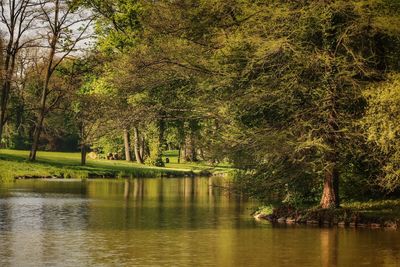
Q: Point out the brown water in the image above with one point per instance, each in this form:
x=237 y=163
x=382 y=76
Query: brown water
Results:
x=166 y=222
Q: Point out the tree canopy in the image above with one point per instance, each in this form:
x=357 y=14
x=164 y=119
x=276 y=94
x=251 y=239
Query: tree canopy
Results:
x=301 y=97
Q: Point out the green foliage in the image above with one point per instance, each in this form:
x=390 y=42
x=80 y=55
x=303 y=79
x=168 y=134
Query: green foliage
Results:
x=381 y=124
x=274 y=87
x=156 y=146
x=288 y=92
x=109 y=144
x=119 y=26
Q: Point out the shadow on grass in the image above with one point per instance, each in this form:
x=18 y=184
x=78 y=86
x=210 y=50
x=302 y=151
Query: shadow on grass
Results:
x=20 y=164
x=67 y=168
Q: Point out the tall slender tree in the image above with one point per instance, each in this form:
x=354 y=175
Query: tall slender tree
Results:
x=60 y=17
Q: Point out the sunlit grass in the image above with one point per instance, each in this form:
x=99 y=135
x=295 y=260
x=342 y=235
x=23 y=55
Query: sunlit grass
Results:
x=172 y=155
x=14 y=164
x=389 y=208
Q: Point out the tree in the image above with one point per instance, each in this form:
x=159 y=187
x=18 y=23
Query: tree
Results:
x=297 y=82
x=59 y=16
x=19 y=18
x=382 y=128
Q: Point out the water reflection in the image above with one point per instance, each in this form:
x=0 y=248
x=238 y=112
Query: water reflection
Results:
x=329 y=247
x=166 y=222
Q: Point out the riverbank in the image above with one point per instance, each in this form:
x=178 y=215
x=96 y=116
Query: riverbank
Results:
x=14 y=164
x=370 y=214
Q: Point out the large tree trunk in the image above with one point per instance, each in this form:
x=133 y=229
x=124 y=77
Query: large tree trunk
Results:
x=330 y=194
x=190 y=151
x=127 y=145
x=190 y=154
x=137 y=146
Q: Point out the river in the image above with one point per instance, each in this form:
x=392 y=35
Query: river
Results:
x=166 y=222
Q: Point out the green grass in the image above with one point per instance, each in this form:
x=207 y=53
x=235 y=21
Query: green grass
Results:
x=194 y=166
x=385 y=209
x=14 y=164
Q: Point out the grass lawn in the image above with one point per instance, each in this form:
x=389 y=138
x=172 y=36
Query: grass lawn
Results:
x=385 y=212
x=14 y=164
x=388 y=209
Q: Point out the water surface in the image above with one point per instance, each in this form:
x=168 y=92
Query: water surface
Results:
x=166 y=222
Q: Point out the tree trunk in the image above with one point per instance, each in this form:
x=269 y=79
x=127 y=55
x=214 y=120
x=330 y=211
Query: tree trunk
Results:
x=161 y=143
x=5 y=90
x=127 y=144
x=3 y=108
x=330 y=194
x=1 y=132
x=183 y=152
x=190 y=149
x=39 y=125
x=45 y=89
x=201 y=153
x=137 y=149
x=36 y=136
x=161 y=137
x=83 y=154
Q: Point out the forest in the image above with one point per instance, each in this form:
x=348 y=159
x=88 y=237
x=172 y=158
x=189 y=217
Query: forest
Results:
x=300 y=98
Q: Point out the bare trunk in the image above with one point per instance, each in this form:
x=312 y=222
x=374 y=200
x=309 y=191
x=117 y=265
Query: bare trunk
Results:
x=137 y=149
x=190 y=149
x=36 y=137
x=5 y=91
x=83 y=143
x=83 y=154
x=161 y=137
x=142 y=148
x=201 y=153
x=127 y=144
x=39 y=125
x=45 y=89
x=190 y=152
x=183 y=152
x=160 y=144
x=1 y=133
x=3 y=108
